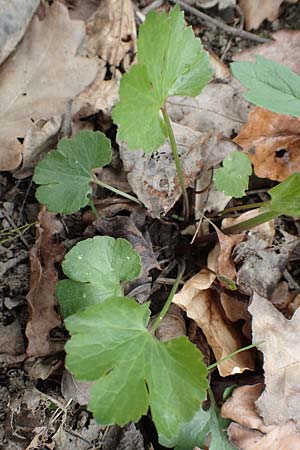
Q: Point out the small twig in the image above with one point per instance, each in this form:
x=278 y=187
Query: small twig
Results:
x=210 y=21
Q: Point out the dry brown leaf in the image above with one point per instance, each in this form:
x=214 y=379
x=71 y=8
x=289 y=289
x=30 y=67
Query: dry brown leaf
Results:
x=38 y=80
x=44 y=256
x=248 y=432
x=256 y=11
x=272 y=142
x=172 y=325
x=81 y=9
x=235 y=309
x=281 y=49
x=111 y=36
x=280 y=401
x=201 y=305
x=15 y=17
x=265 y=231
x=158 y=188
x=11 y=344
x=227 y=244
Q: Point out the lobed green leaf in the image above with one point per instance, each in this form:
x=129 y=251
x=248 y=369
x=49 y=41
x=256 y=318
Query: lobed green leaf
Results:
x=271 y=85
x=233 y=177
x=171 y=61
x=131 y=369
x=65 y=174
x=96 y=268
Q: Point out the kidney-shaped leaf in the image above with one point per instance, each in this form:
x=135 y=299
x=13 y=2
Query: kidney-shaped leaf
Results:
x=65 y=174
x=171 y=62
x=95 y=268
x=131 y=369
x=233 y=177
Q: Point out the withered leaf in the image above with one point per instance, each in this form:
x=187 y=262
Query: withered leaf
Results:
x=272 y=142
x=44 y=256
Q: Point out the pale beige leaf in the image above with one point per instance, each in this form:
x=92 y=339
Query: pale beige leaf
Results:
x=248 y=431
x=280 y=400
x=256 y=11
x=39 y=78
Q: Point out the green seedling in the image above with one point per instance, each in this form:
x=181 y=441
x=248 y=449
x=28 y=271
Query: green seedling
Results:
x=65 y=175
x=111 y=346
x=171 y=61
x=233 y=178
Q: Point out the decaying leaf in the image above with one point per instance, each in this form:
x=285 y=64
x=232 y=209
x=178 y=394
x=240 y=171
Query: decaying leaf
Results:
x=248 y=431
x=159 y=187
x=39 y=78
x=256 y=11
x=172 y=325
x=280 y=49
x=44 y=256
x=280 y=401
x=272 y=142
x=201 y=304
x=111 y=36
x=220 y=107
x=11 y=344
x=15 y=17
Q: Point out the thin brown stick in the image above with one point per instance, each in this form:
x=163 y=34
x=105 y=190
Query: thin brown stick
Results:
x=210 y=21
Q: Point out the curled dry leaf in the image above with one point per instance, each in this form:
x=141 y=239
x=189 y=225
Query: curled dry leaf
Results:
x=256 y=11
x=248 y=431
x=227 y=243
x=272 y=142
x=172 y=325
x=111 y=36
x=280 y=401
x=44 y=256
x=281 y=49
x=201 y=304
x=53 y=75
x=159 y=188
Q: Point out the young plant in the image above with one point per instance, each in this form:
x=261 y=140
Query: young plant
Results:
x=65 y=174
x=111 y=346
x=171 y=61
x=274 y=87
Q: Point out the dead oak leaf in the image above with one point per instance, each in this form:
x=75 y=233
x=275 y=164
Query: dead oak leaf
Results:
x=38 y=80
x=44 y=256
x=280 y=401
x=272 y=142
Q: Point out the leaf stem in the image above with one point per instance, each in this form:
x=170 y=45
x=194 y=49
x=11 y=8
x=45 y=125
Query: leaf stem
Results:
x=93 y=208
x=251 y=223
x=115 y=190
x=239 y=208
x=243 y=349
x=165 y=309
x=177 y=163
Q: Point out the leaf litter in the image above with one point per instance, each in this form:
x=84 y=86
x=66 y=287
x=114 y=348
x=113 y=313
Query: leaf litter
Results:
x=214 y=117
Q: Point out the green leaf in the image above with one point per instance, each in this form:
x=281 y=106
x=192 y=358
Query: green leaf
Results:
x=95 y=268
x=131 y=369
x=286 y=196
x=195 y=433
x=233 y=177
x=65 y=174
x=171 y=62
x=271 y=85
